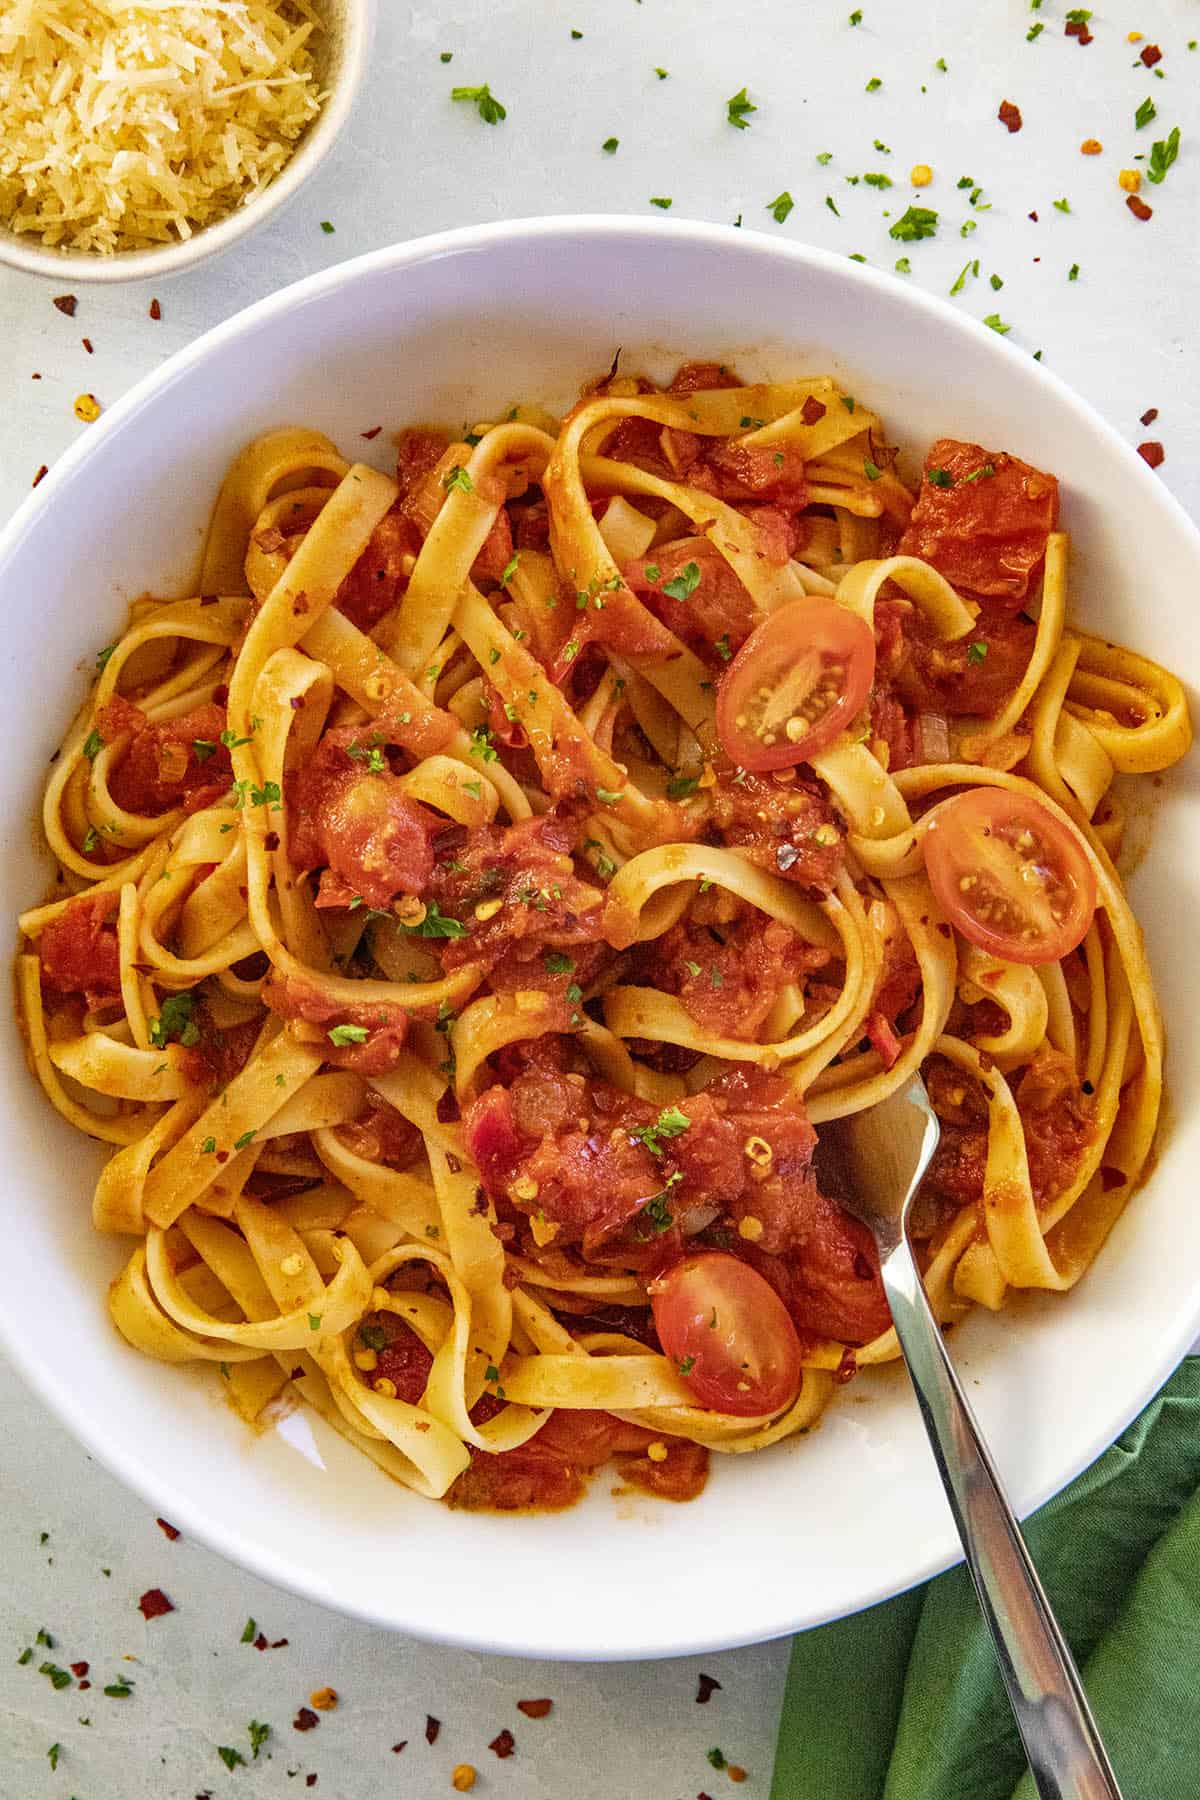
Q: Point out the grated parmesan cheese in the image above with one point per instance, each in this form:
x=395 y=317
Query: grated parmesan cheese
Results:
x=130 y=123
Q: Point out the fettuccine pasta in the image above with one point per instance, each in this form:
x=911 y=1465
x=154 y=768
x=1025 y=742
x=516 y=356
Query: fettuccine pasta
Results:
x=478 y=903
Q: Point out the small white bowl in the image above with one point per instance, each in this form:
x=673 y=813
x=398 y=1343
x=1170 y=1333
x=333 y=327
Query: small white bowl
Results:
x=342 y=58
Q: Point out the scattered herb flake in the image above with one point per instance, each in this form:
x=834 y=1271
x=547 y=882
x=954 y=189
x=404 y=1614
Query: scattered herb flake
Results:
x=610 y=145
x=918 y=222
x=1162 y=154
x=490 y=109
x=781 y=205
x=995 y=323
x=738 y=108
x=662 y=201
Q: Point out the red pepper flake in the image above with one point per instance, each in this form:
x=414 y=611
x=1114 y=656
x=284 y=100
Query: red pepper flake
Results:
x=260 y=1642
x=1138 y=207
x=373 y=433
x=87 y=344
x=310 y=1781
x=66 y=303
x=402 y=1745
x=271 y=841
x=35 y=376
x=534 y=1709
x=1152 y=452
x=432 y=1727
x=80 y=1669
x=1150 y=55
x=736 y=1772
x=41 y=474
x=155 y=310
x=812 y=410
x=154 y=1604
x=707 y=1687
x=1010 y=115
x=279 y=1644
x=167 y=1530
x=1111 y=1178
x=1034 y=217
x=1077 y=28
x=305 y=1720
x=84 y=1686
x=504 y=1743
x=1149 y=416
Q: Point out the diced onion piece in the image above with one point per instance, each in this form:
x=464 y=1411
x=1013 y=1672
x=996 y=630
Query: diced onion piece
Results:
x=626 y=531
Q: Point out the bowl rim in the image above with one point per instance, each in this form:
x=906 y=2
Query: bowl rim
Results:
x=126 y=1462
x=356 y=34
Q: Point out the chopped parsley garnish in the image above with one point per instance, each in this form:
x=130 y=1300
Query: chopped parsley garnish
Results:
x=918 y=222
x=1142 y=117
x=1162 y=154
x=686 y=1366
x=871 y=470
x=259 y=1734
x=90 y=840
x=249 y=1632
x=874 y=83
x=203 y=748
x=556 y=963
x=985 y=470
x=652 y=571
x=781 y=205
x=446 y=56
x=1035 y=31
x=662 y=201
x=93 y=745
x=458 y=478
x=59 y=1678
x=995 y=283
x=656 y=1216
x=328 y=229
x=604 y=865
x=510 y=568
x=314 y=1321
x=670 y=1123
x=175 y=1022
x=856 y=16
x=967 y=227
x=610 y=796
x=473 y=788
x=830 y=203
x=267 y=794
x=610 y=145
x=824 y=157
x=436 y=924
x=995 y=323
x=493 y=657
x=940 y=478
x=372 y=1337
x=490 y=109
x=246 y=1139
x=208 y=1146
x=847 y=401
x=232 y=741
x=348 y=1034
x=680 y=786
x=722 y=647
x=878 y=180
x=737 y=109
x=231 y=1758
x=715 y=977
x=120 y=1689
x=718 y=1758
x=54 y=1752
x=683 y=584
x=1063 y=205
x=102 y=656
x=481 y=744
x=977 y=652
x=662 y=74
x=1073 y=272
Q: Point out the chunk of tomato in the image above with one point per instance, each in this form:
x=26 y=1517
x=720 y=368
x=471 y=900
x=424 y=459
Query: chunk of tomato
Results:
x=795 y=685
x=1009 y=875
x=728 y=1333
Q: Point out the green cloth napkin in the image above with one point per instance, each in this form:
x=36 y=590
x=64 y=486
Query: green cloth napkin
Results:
x=904 y=1702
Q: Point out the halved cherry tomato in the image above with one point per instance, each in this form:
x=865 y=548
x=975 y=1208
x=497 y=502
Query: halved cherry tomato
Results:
x=795 y=684
x=1009 y=875
x=729 y=1334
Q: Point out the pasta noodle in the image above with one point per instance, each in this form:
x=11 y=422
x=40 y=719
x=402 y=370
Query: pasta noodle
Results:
x=472 y=901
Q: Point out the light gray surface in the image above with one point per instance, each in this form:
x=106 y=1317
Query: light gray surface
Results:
x=1124 y=333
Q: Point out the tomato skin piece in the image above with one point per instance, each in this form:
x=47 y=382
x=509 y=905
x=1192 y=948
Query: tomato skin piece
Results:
x=795 y=634
x=747 y=1362
x=960 y=844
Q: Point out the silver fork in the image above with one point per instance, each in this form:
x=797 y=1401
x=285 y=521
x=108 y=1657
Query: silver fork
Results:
x=884 y=1154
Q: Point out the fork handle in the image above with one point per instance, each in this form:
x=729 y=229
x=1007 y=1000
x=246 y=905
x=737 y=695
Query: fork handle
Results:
x=1064 y=1748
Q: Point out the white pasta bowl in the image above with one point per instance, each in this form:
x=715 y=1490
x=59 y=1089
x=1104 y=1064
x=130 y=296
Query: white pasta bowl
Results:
x=453 y=328
x=342 y=55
